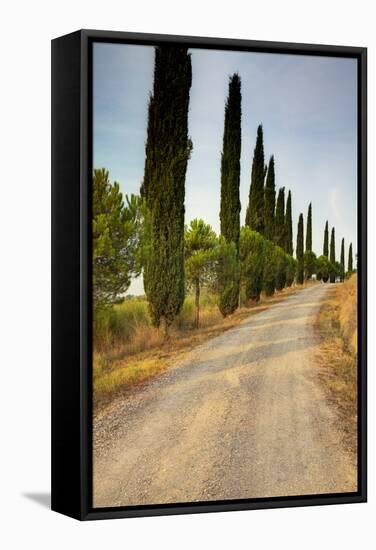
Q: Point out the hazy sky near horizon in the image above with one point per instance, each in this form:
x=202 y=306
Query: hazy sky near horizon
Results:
x=307 y=106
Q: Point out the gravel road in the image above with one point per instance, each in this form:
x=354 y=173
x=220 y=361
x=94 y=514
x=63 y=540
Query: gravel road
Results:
x=242 y=416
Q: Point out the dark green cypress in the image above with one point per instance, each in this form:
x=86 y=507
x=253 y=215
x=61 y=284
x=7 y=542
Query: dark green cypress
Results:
x=167 y=152
x=269 y=201
x=279 y=224
x=309 y=229
x=230 y=181
x=288 y=226
x=325 y=250
x=332 y=257
x=255 y=211
x=350 y=260
x=342 y=262
x=300 y=251
x=230 y=164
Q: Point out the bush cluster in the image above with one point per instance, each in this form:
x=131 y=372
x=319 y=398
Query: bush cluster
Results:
x=264 y=266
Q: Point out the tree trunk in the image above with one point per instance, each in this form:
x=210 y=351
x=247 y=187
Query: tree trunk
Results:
x=165 y=327
x=197 y=304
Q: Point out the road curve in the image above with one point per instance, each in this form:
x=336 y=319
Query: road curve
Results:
x=243 y=416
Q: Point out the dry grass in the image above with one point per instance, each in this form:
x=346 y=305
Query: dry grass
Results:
x=129 y=350
x=337 y=355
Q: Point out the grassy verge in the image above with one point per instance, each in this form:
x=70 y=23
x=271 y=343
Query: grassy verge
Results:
x=337 y=355
x=128 y=350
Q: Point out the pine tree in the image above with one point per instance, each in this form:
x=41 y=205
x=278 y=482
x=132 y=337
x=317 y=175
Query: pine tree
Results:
x=255 y=211
x=230 y=181
x=325 y=250
x=309 y=229
x=279 y=224
x=342 y=262
x=269 y=201
x=115 y=240
x=288 y=226
x=332 y=257
x=350 y=260
x=300 y=251
x=200 y=259
x=167 y=152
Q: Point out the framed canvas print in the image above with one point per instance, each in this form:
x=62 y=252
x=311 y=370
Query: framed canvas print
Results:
x=209 y=274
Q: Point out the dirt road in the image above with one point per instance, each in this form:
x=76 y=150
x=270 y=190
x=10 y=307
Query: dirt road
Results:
x=243 y=416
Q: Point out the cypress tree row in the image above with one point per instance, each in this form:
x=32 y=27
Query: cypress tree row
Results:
x=269 y=204
x=300 y=251
x=230 y=181
x=288 y=226
x=350 y=260
x=332 y=257
x=167 y=152
x=279 y=225
x=309 y=229
x=325 y=250
x=255 y=211
x=342 y=261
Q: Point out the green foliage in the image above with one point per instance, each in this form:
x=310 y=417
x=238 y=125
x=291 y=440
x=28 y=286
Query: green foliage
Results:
x=230 y=180
x=167 y=152
x=115 y=240
x=279 y=226
x=288 y=226
x=332 y=257
x=326 y=241
x=230 y=164
x=270 y=268
x=201 y=258
x=323 y=268
x=252 y=262
x=342 y=262
x=350 y=260
x=309 y=229
x=269 y=201
x=290 y=270
x=228 y=275
x=255 y=211
x=281 y=264
x=310 y=264
x=300 y=251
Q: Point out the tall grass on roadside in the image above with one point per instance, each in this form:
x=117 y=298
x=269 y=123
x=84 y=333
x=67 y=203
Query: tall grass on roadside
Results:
x=337 y=355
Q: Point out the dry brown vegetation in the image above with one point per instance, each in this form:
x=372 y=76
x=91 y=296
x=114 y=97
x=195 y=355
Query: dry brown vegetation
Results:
x=337 y=355
x=128 y=350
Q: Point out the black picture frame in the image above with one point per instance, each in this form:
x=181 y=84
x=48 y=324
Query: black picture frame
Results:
x=71 y=260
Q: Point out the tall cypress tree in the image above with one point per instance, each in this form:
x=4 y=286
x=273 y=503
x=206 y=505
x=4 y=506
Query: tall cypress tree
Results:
x=332 y=257
x=230 y=181
x=255 y=211
x=325 y=250
x=269 y=201
x=288 y=226
x=350 y=260
x=279 y=225
x=300 y=251
x=309 y=229
x=342 y=261
x=167 y=152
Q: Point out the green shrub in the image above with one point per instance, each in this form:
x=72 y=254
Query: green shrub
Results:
x=281 y=262
x=290 y=270
x=310 y=264
x=251 y=257
x=269 y=273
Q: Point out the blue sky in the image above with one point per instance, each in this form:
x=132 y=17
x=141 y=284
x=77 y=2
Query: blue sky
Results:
x=307 y=106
